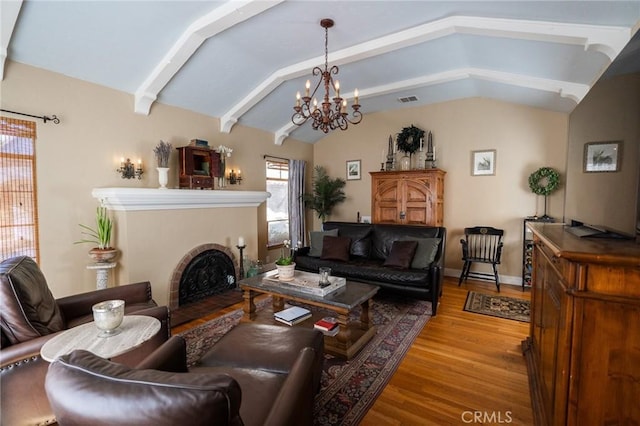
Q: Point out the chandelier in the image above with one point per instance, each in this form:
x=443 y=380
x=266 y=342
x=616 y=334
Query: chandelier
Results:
x=332 y=113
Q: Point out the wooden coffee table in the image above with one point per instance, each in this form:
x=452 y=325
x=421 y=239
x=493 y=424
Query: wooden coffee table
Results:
x=353 y=334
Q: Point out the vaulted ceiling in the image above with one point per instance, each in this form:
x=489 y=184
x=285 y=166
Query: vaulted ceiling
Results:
x=244 y=61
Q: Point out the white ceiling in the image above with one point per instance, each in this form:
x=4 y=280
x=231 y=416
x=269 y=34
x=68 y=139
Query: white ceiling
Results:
x=243 y=61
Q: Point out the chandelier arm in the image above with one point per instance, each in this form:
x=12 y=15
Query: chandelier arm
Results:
x=357 y=117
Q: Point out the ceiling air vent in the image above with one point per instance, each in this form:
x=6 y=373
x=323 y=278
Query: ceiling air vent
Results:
x=408 y=99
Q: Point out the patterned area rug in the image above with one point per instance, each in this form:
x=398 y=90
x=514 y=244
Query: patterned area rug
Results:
x=498 y=306
x=348 y=388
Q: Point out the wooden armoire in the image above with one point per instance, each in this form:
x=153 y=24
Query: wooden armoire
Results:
x=583 y=351
x=411 y=197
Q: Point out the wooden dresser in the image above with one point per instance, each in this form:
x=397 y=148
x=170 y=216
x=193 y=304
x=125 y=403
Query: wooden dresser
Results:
x=583 y=351
x=412 y=197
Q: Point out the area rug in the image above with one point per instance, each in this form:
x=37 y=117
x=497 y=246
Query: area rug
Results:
x=348 y=388
x=498 y=306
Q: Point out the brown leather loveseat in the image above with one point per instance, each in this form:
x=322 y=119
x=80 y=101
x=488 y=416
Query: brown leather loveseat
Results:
x=255 y=375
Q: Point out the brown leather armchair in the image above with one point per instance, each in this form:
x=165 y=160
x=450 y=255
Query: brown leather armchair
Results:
x=85 y=389
x=30 y=316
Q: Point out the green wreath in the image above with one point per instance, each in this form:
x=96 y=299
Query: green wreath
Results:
x=544 y=181
x=409 y=139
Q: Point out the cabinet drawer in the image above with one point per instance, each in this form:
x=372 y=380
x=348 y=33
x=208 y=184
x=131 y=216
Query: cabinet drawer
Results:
x=203 y=181
x=560 y=264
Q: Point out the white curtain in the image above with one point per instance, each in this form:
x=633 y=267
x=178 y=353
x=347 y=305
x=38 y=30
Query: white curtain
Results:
x=296 y=204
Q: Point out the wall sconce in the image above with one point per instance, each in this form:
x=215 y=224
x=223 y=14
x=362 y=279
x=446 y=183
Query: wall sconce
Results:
x=128 y=171
x=235 y=178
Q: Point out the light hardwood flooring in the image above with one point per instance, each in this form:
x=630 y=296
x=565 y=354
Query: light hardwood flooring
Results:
x=463 y=368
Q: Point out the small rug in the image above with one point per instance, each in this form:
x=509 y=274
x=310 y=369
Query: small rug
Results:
x=498 y=306
x=348 y=388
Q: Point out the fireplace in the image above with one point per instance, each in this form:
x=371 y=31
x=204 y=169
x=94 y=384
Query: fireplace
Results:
x=205 y=271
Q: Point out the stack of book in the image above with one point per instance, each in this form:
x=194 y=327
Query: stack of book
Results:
x=292 y=315
x=328 y=325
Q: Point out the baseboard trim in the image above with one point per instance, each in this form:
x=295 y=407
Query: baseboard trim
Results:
x=504 y=279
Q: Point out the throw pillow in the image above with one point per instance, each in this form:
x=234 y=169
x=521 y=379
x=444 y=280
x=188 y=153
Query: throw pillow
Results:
x=360 y=239
x=316 y=241
x=335 y=248
x=425 y=253
x=401 y=254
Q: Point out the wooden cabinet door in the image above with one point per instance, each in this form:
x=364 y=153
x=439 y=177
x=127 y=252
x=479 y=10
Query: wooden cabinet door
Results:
x=416 y=203
x=387 y=201
x=607 y=364
x=552 y=333
x=413 y=197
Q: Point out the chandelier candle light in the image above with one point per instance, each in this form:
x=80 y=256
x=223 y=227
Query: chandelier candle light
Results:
x=329 y=116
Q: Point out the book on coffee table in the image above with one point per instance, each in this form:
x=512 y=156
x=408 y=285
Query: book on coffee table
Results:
x=292 y=315
x=328 y=326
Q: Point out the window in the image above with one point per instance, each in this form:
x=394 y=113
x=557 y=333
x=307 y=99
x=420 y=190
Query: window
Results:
x=277 y=204
x=18 y=209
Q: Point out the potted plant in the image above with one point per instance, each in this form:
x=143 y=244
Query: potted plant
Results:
x=162 y=152
x=327 y=193
x=100 y=235
x=285 y=264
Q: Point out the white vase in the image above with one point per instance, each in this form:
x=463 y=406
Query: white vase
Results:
x=286 y=272
x=163 y=176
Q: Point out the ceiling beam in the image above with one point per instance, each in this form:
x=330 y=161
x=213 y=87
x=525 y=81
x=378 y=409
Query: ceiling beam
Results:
x=9 y=11
x=565 y=89
x=218 y=20
x=608 y=40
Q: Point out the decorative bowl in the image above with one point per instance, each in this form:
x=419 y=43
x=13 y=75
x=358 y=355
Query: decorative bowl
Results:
x=108 y=316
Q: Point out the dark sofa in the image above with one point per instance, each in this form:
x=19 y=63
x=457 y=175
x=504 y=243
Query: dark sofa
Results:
x=370 y=246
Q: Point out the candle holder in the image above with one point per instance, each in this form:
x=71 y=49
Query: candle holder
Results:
x=241 y=272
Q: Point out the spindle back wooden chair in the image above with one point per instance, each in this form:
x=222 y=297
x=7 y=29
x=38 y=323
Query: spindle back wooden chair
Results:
x=481 y=244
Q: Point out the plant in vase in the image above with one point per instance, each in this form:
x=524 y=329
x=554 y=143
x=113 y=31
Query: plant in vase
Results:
x=162 y=152
x=285 y=263
x=225 y=152
x=100 y=235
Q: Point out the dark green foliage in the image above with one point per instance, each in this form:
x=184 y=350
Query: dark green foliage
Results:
x=327 y=193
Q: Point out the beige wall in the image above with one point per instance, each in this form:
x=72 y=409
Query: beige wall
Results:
x=609 y=112
x=525 y=139
x=98 y=126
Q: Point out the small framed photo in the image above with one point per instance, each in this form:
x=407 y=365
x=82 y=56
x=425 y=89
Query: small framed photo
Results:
x=483 y=163
x=602 y=156
x=353 y=170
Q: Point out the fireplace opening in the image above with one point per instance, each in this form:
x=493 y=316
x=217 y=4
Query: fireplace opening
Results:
x=207 y=274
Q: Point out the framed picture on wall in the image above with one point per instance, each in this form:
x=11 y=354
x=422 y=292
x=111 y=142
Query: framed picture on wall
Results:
x=483 y=162
x=353 y=170
x=602 y=156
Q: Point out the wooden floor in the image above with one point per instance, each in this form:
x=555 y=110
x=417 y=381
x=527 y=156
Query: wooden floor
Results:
x=460 y=366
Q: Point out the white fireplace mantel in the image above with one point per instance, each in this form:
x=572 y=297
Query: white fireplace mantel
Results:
x=132 y=199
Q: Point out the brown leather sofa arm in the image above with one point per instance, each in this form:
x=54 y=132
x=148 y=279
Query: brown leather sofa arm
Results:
x=171 y=356
x=28 y=349
x=80 y=304
x=294 y=404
